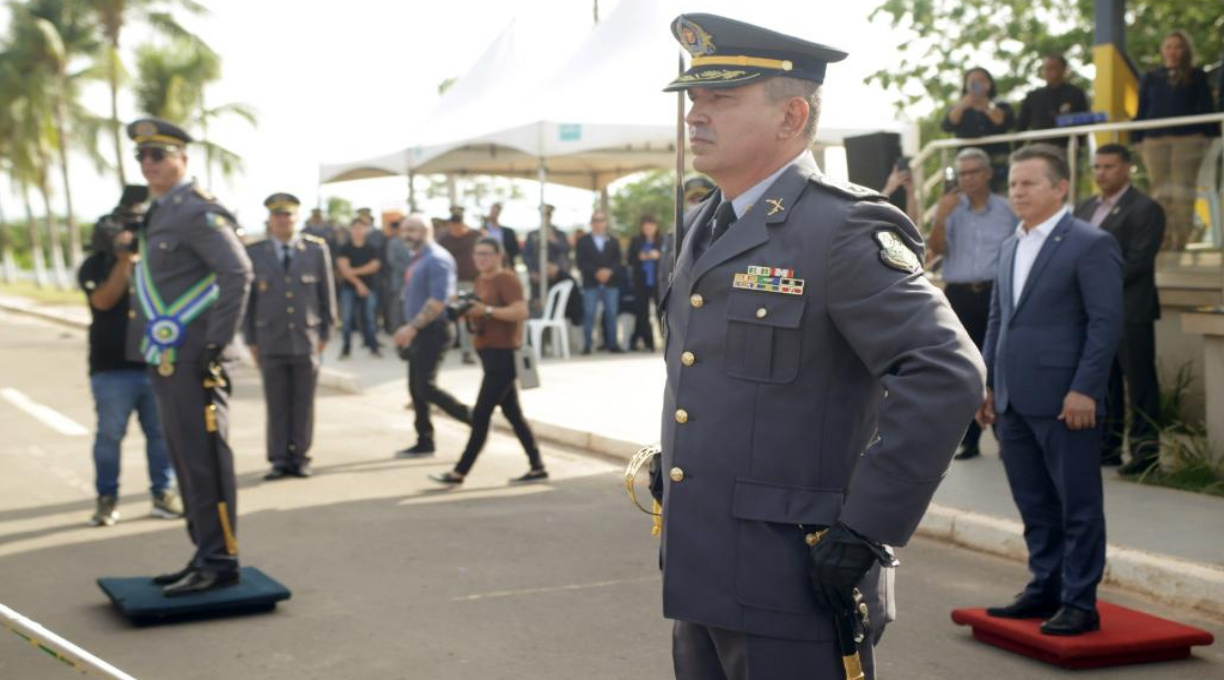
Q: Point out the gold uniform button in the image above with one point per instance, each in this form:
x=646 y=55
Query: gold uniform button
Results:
x=676 y=474
x=131 y=314
x=762 y=313
x=688 y=358
x=681 y=416
x=290 y=310
x=289 y=294
x=288 y=279
x=292 y=326
x=696 y=301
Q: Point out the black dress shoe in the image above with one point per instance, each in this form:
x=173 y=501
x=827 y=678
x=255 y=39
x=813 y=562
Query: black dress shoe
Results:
x=1072 y=621
x=167 y=579
x=196 y=582
x=448 y=478
x=1138 y=466
x=276 y=473
x=303 y=470
x=417 y=450
x=1025 y=607
x=968 y=452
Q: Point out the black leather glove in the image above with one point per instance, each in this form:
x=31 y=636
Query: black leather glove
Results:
x=836 y=565
x=656 y=478
x=211 y=354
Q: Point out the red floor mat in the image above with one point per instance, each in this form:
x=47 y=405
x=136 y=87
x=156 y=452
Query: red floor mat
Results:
x=1126 y=637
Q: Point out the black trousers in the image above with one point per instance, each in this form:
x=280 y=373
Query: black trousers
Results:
x=707 y=653
x=1133 y=378
x=424 y=357
x=971 y=302
x=497 y=389
x=642 y=330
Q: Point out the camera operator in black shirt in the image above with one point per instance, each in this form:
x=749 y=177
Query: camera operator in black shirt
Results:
x=120 y=386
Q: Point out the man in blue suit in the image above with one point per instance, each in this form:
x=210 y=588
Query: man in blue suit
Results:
x=1055 y=322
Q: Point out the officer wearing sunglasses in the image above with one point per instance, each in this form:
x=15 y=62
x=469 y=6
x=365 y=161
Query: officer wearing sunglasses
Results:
x=189 y=290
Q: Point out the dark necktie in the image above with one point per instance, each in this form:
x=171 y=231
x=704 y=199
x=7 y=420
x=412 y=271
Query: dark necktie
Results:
x=724 y=217
x=285 y=256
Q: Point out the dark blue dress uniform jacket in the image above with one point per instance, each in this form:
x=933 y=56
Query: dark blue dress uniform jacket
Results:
x=845 y=402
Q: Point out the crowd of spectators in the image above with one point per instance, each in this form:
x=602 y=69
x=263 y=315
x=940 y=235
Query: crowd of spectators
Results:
x=1172 y=156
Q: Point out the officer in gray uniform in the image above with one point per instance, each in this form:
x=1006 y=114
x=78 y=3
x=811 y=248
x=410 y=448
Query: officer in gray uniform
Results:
x=288 y=321
x=816 y=381
x=189 y=290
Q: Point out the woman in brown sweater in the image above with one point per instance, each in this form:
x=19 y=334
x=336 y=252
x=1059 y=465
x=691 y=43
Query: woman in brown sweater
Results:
x=494 y=322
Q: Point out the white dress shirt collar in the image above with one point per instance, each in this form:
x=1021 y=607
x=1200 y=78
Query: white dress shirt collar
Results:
x=746 y=200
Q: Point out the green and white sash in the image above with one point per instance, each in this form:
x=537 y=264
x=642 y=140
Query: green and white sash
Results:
x=164 y=326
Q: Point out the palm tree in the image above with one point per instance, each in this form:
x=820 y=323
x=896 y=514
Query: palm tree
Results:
x=171 y=83
x=112 y=17
x=49 y=34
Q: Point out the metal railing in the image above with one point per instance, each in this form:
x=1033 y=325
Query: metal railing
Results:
x=923 y=186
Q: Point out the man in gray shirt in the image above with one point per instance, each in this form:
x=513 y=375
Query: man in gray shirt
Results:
x=970 y=226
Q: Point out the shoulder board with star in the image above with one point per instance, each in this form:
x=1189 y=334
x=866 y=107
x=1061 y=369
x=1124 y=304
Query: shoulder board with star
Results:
x=314 y=239
x=855 y=192
x=202 y=193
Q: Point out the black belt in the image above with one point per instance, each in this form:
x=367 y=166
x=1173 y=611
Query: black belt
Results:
x=976 y=286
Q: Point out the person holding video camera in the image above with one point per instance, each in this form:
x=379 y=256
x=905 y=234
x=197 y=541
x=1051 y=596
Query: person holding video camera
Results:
x=493 y=316
x=426 y=335
x=120 y=386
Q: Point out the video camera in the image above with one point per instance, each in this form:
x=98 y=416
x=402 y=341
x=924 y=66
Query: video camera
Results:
x=127 y=216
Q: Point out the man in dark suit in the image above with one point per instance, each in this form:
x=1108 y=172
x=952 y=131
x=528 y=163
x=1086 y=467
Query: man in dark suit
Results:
x=1055 y=322
x=796 y=305
x=599 y=260
x=509 y=240
x=1138 y=223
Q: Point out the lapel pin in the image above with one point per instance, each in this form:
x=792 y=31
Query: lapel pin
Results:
x=775 y=206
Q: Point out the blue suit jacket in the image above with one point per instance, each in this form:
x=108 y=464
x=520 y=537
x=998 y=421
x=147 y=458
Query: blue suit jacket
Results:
x=1063 y=332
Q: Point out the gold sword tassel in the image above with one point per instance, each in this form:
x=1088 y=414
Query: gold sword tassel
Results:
x=231 y=543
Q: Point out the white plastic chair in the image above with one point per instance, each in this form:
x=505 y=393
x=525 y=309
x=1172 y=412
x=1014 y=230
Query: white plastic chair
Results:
x=554 y=318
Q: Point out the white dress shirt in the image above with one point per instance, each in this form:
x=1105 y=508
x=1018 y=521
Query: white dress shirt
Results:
x=1028 y=244
x=745 y=201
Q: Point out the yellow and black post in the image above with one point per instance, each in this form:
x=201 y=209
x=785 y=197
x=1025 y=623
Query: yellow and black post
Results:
x=1116 y=88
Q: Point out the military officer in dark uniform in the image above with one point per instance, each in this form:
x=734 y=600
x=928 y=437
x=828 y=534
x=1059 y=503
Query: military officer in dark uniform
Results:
x=816 y=381
x=189 y=291
x=288 y=321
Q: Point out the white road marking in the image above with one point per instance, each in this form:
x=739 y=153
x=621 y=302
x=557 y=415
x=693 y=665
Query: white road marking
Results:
x=555 y=589
x=44 y=414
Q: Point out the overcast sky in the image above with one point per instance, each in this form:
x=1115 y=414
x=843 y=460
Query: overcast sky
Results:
x=335 y=81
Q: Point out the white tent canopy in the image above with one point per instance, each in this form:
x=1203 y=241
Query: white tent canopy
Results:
x=597 y=116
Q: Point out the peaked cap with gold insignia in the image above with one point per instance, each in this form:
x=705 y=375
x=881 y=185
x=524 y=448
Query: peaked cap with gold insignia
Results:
x=158 y=133
x=282 y=202
x=730 y=53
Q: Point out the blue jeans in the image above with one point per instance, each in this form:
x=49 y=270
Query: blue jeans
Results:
x=116 y=394
x=591 y=297
x=350 y=304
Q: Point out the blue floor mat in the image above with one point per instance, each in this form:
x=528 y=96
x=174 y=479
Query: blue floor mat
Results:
x=143 y=603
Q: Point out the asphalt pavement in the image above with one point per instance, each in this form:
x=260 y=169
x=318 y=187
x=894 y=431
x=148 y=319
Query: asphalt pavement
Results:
x=392 y=577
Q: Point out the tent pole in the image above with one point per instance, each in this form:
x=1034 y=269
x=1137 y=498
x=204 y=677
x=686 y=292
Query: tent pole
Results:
x=412 y=206
x=545 y=228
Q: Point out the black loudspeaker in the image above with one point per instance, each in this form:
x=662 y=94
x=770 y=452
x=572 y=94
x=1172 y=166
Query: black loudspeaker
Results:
x=870 y=159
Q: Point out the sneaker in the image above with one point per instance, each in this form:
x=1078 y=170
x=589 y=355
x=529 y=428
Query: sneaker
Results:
x=447 y=478
x=105 y=515
x=166 y=505
x=530 y=476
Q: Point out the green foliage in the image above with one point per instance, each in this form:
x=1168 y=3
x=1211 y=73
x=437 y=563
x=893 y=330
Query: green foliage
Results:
x=339 y=211
x=653 y=193
x=1009 y=37
x=1186 y=458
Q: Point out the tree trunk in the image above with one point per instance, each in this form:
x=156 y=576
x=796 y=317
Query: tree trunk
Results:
x=74 y=232
x=8 y=267
x=36 y=251
x=58 y=268
x=112 y=77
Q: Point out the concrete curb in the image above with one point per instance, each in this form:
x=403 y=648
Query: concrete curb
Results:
x=328 y=377
x=1181 y=583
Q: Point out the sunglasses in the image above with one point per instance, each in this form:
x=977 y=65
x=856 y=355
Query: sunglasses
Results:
x=156 y=155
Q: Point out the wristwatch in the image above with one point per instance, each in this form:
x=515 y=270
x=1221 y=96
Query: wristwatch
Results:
x=488 y=312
